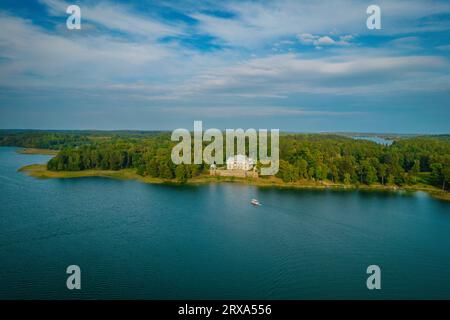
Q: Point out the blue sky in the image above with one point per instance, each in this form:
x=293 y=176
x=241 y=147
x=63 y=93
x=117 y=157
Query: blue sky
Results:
x=308 y=66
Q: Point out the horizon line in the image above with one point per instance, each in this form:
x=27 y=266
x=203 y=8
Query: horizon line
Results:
x=281 y=131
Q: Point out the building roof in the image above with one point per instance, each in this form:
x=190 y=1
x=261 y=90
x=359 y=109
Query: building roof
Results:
x=240 y=159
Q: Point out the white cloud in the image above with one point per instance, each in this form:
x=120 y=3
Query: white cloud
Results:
x=144 y=69
x=318 y=41
x=326 y=40
x=406 y=43
x=307 y=38
x=256 y=23
x=255 y=111
x=37 y=56
x=346 y=38
x=283 y=75
x=119 y=18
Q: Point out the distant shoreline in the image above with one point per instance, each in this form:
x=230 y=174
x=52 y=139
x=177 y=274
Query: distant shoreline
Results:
x=37 y=151
x=40 y=171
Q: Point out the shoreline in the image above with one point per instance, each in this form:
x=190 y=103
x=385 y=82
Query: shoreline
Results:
x=48 y=152
x=40 y=171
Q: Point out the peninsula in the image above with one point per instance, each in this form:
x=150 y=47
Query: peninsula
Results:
x=319 y=161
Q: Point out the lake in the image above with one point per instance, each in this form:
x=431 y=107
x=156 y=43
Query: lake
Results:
x=135 y=240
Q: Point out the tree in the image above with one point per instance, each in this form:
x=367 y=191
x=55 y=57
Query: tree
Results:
x=115 y=160
x=321 y=172
x=446 y=177
x=370 y=174
x=165 y=171
x=416 y=167
x=390 y=179
x=360 y=171
x=181 y=173
x=346 y=165
x=140 y=170
x=414 y=172
x=440 y=174
x=347 y=178
x=287 y=172
x=302 y=166
x=436 y=173
x=382 y=171
x=334 y=173
x=311 y=172
x=193 y=170
x=152 y=168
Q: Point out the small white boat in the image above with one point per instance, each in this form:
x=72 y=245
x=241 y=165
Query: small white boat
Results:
x=255 y=202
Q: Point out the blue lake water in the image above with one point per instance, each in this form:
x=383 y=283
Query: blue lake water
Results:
x=134 y=240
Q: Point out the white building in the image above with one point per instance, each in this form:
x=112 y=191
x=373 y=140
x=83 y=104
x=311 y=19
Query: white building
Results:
x=240 y=162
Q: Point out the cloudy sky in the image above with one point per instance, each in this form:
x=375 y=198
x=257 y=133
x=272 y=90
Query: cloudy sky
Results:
x=296 y=65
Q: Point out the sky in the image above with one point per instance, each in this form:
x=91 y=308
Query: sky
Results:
x=293 y=65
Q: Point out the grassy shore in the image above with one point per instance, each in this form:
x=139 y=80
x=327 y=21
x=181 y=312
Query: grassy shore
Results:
x=37 y=151
x=40 y=171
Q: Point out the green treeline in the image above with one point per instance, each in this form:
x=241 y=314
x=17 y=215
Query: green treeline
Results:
x=348 y=161
x=150 y=157
x=42 y=140
x=57 y=140
x=316 y=157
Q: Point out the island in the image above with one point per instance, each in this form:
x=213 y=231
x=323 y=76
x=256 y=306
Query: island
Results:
x=319 y=161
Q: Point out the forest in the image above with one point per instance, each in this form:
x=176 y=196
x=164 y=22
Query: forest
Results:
x=315 y=157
